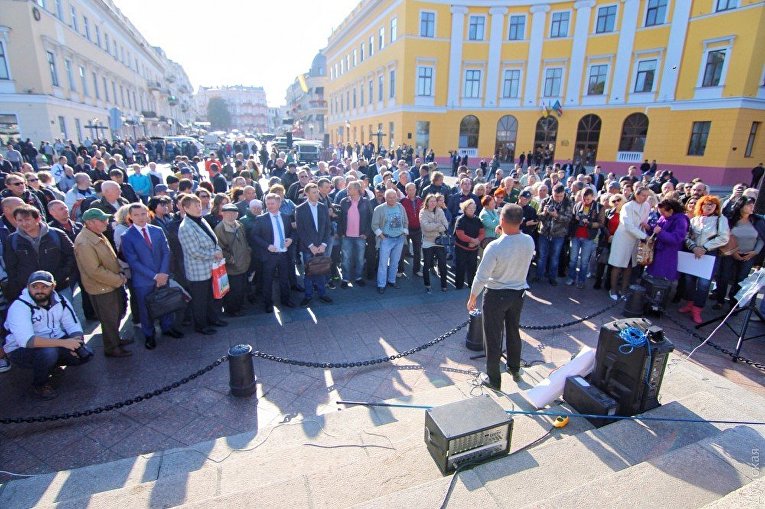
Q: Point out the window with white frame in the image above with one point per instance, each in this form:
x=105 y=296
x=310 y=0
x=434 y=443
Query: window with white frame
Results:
x=361 y=52
x=106 y=88
x=553 y=78
x=98 y=36
x=713 y=68
x=95 y=86
x=355 y=58
x=361 y=95
x=750 y=139
x=427 y=24
x=371 y=91
x=699 y=136
x=476 y=28
x=392 y=83
x=84 y=81
x=348 y=62
x=4 y=73
x=606 y=21
x=52 y=68
x=656 y=12
x=74 y=18
x=342 y=66
x=380 y=86
x=371 y=45
x=596 y=85
x=60 y=9
x=645 y=76
x=86 y=27
x=69 y=73
x=511 y=83
x=725 y=5
x=106 y=43
x=381 y=38
x=393 y=29
x=559 y=25
x=424 y=80
x=517 y=30
x=472 y=84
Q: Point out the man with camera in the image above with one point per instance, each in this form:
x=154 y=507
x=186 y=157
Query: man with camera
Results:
x=44 y=333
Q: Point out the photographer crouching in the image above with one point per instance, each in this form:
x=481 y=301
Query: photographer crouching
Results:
x=44 y=333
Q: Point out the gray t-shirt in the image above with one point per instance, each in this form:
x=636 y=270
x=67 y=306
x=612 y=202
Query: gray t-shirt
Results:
x=505 y=264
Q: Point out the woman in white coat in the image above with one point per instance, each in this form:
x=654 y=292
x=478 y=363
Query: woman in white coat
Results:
x=632 y=223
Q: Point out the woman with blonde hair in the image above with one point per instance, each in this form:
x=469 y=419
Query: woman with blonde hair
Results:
x=433 y=223
x=122 y=225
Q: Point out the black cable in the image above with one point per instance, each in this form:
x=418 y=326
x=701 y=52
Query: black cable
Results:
x=472 y=464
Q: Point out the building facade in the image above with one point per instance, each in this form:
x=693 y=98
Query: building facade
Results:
x=306 y=103
x=598 y=81
x=247 y=105
x=80 y=69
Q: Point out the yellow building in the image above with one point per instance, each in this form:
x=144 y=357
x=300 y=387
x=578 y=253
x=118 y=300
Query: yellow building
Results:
x=612 y=82
x=79 y=69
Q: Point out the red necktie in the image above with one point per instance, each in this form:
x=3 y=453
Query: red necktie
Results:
x=146 y=237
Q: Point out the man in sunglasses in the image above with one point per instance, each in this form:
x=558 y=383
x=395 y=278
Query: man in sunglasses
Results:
x=16 y=186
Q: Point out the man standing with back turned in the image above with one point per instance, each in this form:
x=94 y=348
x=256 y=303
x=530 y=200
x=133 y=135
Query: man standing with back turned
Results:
x=503 y=270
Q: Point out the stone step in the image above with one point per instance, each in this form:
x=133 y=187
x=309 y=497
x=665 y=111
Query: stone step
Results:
x=557 y=466
x=691 y=476
x=751 y=496
x=278 y=449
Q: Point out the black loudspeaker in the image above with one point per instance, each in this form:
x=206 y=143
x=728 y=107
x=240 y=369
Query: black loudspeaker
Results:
x=289 y=139
x=656 y=293
x=474 y=339
x=631 y=375
x=585 y=398
x=467 y=431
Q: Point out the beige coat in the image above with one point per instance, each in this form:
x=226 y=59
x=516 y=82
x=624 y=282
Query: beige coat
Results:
x=625 y=240
x=99 y=268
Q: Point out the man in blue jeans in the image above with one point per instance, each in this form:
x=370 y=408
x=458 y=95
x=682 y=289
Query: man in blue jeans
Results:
x=390 y=225
x=555 y=213
x=583 y=235
x=44 y=333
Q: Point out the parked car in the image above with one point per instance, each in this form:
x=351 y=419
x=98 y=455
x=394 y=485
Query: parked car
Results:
x=308 y=151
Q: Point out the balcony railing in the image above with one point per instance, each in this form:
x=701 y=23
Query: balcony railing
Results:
x=154 y=86
x=629 y=157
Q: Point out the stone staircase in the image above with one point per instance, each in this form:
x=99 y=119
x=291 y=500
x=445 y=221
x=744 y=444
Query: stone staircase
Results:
x=376 y=457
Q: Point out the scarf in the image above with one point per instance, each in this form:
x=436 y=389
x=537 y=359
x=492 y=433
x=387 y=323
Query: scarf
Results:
x=205 y=227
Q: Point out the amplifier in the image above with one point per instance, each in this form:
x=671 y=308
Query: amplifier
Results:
x=585 y=398
x=633 y=379
x=467 y=431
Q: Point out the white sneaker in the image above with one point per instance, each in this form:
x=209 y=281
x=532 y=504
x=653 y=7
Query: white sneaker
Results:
x=418 y=273
x=570 y=282
x=5 y=365
x=613 y=295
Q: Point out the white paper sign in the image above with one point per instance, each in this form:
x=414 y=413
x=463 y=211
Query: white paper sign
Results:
x=687 y=263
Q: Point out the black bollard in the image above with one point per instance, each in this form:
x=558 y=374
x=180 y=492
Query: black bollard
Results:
x=635 y=305
x=474 y=339
x=241 y=371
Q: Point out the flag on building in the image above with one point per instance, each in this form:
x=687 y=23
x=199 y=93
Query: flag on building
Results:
x=545 y=111
x=557 y=108
x=303 y=84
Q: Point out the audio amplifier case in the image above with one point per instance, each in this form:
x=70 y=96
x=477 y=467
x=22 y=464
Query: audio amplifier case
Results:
x=467 y=431
x=585 y=398
x=632 y=379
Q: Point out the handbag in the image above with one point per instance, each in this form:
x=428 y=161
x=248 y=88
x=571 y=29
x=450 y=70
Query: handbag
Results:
x=645 y=251
x=443 y=240
x=220 y=279
x=318 y=266
x=166 y=300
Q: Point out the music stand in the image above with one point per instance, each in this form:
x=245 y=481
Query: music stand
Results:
x=747 y=301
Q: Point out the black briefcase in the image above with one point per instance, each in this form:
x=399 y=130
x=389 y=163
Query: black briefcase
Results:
x=165 y=300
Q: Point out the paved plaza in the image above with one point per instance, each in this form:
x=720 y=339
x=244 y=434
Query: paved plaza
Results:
x=360 y=325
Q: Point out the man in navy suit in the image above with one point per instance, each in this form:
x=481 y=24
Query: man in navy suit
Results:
x=146 y=251
x=312 y=218
x=272 y=233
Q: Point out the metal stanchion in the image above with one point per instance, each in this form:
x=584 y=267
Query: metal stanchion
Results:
x=241 y=371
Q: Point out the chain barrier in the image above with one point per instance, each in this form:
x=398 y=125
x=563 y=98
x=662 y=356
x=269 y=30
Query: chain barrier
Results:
x=283 y=360
x=116 y=406
x=722 y=349
x=391 y=358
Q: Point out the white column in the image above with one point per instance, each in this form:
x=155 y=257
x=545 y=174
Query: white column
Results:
x=576 y=65
x=675 y=47
x=495 y=53
x=624 y=52
x=455 y=53
x=536 y=40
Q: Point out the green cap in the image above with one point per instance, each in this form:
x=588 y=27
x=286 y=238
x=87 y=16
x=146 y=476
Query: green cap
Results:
x=95 y=213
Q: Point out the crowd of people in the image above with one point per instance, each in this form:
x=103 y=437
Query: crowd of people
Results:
x=107 y=220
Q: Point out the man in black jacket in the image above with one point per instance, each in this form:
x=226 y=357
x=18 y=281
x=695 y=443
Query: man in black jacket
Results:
x=218 y=180
x=312 y=218
x=36 y=246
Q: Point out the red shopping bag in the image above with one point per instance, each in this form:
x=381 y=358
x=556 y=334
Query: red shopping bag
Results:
x=220 y=279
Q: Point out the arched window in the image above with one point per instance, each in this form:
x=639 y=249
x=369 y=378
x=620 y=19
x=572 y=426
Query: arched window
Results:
x=587 y=137
x=507 y=131
x=544 y=140
x=469 y=128
x=634 y=132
